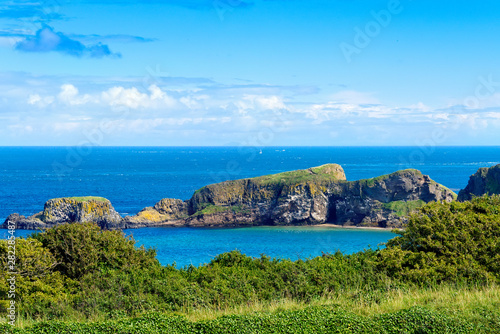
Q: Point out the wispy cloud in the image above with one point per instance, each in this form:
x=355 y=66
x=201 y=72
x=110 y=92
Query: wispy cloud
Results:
x=191 y=4
x=121 y=38
x=48 y=40
x=33 y=10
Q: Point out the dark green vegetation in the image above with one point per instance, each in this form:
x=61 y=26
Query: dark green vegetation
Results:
x=75 y=278
x=307 y=320
x=448 y=242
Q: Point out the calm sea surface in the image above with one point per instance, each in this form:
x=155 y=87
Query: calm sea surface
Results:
x=135 y=177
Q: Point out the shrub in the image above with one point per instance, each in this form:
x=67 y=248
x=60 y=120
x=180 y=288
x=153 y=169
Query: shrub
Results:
x=83 y=248
x=455 y=241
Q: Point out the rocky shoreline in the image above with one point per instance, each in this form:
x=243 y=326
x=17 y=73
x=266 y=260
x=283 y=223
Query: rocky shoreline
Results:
x=314 y=196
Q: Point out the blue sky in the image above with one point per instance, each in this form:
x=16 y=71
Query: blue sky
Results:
x=249 y=72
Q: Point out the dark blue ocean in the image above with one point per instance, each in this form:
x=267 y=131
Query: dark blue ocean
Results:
x=135 y=177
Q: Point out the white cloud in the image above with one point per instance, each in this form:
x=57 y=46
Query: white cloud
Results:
x=420 y=107
x=39 y=101
x=222 y=113
x=269 y=102
x=259 y=102
x=132 y=98
x=69 y=95
x=120 y=96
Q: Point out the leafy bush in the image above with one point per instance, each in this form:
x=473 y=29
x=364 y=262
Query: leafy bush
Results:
x=83 y=248
x=322 y=319
x=38 y=286
x=455 y=241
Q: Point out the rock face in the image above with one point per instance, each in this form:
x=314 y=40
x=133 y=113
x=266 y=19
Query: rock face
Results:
x=68 y=210
x=384 y=201
x=322 y=196
x=484 y=181
x=167 y=212
x=304 y=197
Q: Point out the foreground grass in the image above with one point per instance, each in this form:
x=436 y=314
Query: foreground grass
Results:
x=445 y=298
x=442 y=309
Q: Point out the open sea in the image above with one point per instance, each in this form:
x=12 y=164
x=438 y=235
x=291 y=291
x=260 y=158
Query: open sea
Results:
x=135 y=177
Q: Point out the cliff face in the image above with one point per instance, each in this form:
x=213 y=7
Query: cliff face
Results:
x=290 y=198
x=167 y=212
x=484 y=181
x=67 y=210
x=384 y=201
x=311 y=196
x=282 y=200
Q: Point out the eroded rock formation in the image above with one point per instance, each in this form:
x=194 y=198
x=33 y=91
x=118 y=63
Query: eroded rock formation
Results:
x=304 y=197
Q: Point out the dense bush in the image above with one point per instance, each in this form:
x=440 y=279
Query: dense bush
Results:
x=83 y=248
x=39 y=287
x=230 y=279
x=457 y=241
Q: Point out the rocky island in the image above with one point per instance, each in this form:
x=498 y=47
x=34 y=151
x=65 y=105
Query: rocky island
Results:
x=311 y=196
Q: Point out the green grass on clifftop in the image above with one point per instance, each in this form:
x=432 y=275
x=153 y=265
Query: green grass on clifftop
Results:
x=371 y=182
x=85 y=198
x=325 y=173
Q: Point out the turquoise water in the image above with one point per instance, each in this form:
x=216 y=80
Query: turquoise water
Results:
x=196 y=246
x=135 y=177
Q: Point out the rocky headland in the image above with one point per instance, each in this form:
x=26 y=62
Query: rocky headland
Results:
x=312 y=196
x=484 y=181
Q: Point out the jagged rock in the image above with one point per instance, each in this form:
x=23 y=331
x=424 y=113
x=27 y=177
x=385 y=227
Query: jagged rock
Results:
x=289 y=198
x=312 y=196
x=24 y=223
x=297 y=198
x=167 y=212
x=71 y=210
x=224 y=218
x=172 y=207
x=484 y=181
x=385 y=200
